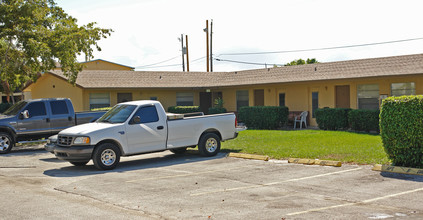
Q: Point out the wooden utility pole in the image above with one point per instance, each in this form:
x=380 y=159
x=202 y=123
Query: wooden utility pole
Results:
x=182 y=46
x=207 y=43
x=211 y=45
x=186 y=42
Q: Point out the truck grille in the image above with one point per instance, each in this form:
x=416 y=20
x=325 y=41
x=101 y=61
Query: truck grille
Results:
x=64 y=140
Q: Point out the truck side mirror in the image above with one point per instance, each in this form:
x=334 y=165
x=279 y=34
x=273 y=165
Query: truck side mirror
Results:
x=136 y=120
x=25 y=114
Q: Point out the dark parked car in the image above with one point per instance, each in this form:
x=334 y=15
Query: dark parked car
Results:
x=36 y=119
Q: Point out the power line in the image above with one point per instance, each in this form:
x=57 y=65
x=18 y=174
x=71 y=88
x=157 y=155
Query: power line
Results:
x=164 y=61
x=149 y=67
x=243 y=62
x=324 y=48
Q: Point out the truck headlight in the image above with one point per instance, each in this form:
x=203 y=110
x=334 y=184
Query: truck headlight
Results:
x=81 y=140
x=52 y=139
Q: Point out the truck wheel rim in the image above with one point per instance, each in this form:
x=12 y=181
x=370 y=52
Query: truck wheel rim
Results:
x=211 y=145
x=108 y=157
x=4 y=143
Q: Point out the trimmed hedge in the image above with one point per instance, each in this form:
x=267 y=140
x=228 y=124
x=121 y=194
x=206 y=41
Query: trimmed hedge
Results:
x=4 y=106
x=401 y=125
x=183 y=109
x=332 y=118
x=364 y=120
x=102 y=109
x=216 y=110
x=263 y=117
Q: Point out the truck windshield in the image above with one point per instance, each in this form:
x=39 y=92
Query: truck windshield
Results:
x=15 y=109
x=117 y=114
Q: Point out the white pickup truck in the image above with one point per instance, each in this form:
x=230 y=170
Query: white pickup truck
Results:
x=139 y=127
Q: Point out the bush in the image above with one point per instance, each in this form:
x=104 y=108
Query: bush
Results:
x=263 y=117
x=401 y=126
x=4 y=106
x=332 y=118
x=101 y=109
x=183 y=109
x=216 y=110
x=364 y=120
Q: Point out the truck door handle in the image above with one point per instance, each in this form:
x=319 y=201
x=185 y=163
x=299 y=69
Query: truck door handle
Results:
x=47 y=119
x=160 y=127
x=70 y=118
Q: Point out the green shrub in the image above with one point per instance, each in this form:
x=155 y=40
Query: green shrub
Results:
x=183 y=109
x=263 y=117
x=216 y=110
x=364 y=120
x=332 y=118
x=4 y=106
x=101 y=109
x=401 y=126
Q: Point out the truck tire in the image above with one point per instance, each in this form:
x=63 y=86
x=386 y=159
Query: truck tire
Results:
x=6 y=143
x=181 y=150
x=209 y=145
x=106 y=156
x=79 y=163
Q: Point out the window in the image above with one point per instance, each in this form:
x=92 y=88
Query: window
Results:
x=314 y=102
x=368 y=96
x=147 y=114
x=242 y=99
x=118 y=114
x=124 y=97
x=399 y=89
x=184 y=99
x=59 y=108
x=36 y=109
x=281 y=99
x=99 y=100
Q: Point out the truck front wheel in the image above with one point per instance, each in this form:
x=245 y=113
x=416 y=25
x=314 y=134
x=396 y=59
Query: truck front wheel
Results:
x=209 y=145
x=6 y=143
x=106 y=156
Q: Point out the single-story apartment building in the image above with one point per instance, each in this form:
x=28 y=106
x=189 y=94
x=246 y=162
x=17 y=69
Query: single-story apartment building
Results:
x=357 y=84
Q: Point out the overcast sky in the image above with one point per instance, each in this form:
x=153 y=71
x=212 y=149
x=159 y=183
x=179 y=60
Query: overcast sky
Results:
x=147 y=31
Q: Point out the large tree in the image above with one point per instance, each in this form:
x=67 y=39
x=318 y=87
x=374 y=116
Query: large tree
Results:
x=301 y=62
x=35 y=34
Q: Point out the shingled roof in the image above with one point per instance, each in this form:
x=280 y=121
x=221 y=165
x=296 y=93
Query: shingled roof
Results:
x=374 y=67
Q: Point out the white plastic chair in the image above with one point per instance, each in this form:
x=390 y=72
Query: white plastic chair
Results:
x=301 y=118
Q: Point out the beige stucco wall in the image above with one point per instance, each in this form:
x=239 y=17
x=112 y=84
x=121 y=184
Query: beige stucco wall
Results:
x=297 y=95
x=50 y=86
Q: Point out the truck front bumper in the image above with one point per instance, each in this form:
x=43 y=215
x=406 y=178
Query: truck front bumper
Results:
x=74 y=153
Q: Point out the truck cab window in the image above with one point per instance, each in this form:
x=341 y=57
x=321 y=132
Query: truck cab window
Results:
x=36 y=109
x=58 y=107
x=147 y=114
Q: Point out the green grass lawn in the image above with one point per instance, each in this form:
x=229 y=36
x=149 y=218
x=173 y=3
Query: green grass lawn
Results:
x=313 y=144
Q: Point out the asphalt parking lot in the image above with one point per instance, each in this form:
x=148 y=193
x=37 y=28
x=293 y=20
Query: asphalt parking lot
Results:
x=35 y=185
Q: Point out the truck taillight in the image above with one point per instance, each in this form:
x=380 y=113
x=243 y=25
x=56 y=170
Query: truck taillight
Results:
x=236 y=122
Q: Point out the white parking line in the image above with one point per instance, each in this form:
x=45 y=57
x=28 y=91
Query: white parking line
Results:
x=355 y=203
x=274 y=183
x=183 y=175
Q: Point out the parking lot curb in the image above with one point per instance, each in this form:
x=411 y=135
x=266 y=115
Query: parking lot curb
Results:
x=315 y=162
x=249 y=156
x=397 y=169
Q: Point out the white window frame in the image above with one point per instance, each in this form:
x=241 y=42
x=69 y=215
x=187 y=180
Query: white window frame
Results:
x=368 y=93
x=184 y=99
x=245 y=98
x=99 y=99
x=400 y=89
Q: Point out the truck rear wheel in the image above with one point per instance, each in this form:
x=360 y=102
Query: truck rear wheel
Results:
x=106 y=156
x=6 y=143
x=209 y=145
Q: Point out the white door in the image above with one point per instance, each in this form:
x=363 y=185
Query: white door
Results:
x=148 y=132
